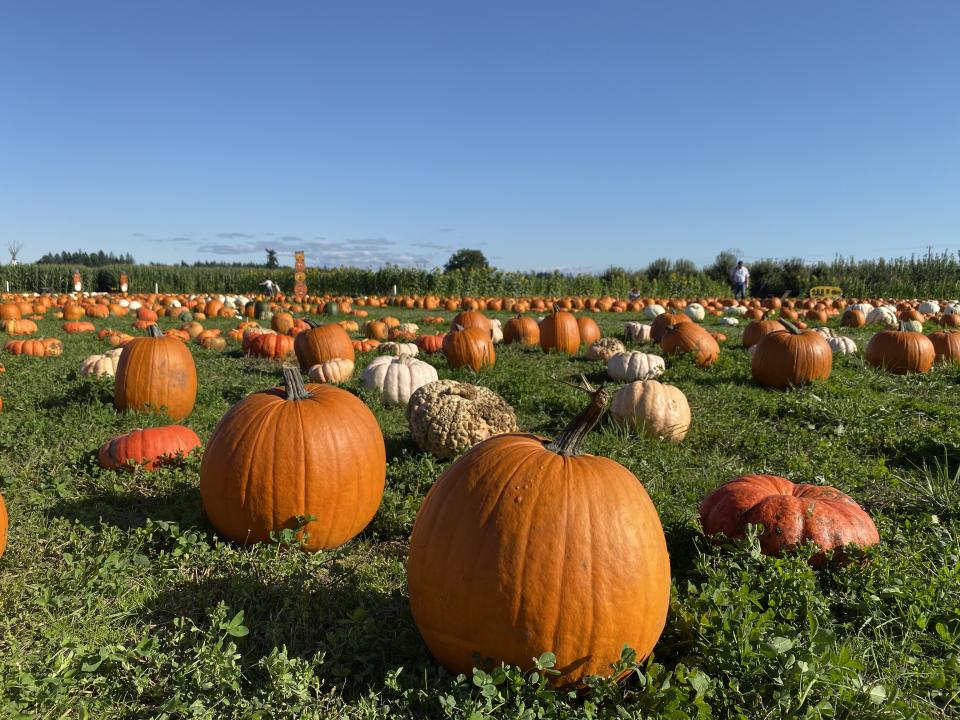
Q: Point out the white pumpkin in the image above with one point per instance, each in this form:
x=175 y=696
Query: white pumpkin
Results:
x=885 y=315
x=398 y=349
x=729 y=321
x=952 y=309
x=635 y=365
x=930 y=307
x=865 y=308
x=912 y=326
x=332 y=372
x=638 y=332
x=657 y=410
x=397 y=378
x=408 y=327
x=695 y=311
x=651 y=311
x=496 y=331
x=134 y=305
x=842 y=345
x=736 y=310
x=101 y=365
x=605 y=348
x=826 y=332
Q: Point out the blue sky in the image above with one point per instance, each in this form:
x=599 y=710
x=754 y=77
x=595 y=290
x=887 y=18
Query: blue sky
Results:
x=547 y=134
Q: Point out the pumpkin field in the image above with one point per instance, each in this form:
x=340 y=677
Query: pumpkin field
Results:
x=426 y=507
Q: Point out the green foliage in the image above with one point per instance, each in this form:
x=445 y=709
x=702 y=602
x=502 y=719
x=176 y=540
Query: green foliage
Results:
x=272 y=261
x=86 y=259
x=465 y=259
x=118 y=600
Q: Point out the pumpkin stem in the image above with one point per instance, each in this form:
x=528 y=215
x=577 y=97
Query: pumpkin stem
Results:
x=791 y=327
x=154 y=331
x=293 y=381
x=569 y=440
x=311 y=323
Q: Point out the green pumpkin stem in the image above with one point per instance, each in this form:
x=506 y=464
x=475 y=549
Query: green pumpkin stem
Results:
x=570 y=438
x=791 y=327
x=293 y=381
x=311 y=323
x=154 y=331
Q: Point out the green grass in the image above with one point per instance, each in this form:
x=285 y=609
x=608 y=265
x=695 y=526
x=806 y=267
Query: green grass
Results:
x=117 y=599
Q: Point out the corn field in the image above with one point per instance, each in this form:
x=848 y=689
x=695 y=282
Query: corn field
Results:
x=933 y=276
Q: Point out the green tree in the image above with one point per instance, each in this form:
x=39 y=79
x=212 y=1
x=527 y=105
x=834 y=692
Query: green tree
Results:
x=272 y=261
x=465 y=259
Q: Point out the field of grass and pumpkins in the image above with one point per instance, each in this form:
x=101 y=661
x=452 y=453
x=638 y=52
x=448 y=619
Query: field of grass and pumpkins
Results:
x=217 y=507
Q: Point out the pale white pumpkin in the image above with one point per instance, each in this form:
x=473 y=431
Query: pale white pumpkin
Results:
x=104 y=365
x=651 y=311
x=865 y=308
x=739 y=310
x=332 y=372
x=930 y=307
x=397 y=378
x=885 y=315
x=695 y=311
x=952 y=309
x=826 y=332
x=842 y=345
x=635 y=365
x=655 y=409
x=605 y=348
x=912 y=326
x=408 y=327
x=496 y=331
x=638 y=332
x=729 y=321
x=398 y=349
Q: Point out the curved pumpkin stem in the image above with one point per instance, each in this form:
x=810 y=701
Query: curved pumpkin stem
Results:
x=311 y=323
x=569 y=440
x=154 y=331
x=791 y=328
x=293 y=381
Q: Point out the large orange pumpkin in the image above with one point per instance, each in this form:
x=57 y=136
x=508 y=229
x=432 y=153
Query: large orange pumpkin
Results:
x=690 y=338
x=471 y=346
x=901 y=352
x=523 y=330
x=589 y=330
x=946 y=345
x=471 y=318
x=791 y=357
x=156 y=374
x=282 y=454
x=790 y=515
x=270 y=346
x=149 y=448
x=754 y=332
x=525 y=545
x=559 y=331
x=321 y=343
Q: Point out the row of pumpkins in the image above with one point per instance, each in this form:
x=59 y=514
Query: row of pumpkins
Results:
x=317 y=450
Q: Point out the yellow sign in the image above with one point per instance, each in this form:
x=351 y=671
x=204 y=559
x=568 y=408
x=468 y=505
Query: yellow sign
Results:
x=825 y=291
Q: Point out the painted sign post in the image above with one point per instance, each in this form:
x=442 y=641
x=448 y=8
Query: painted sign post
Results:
x=299 y=276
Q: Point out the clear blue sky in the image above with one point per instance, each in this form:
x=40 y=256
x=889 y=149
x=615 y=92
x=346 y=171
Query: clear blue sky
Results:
x=547 y=134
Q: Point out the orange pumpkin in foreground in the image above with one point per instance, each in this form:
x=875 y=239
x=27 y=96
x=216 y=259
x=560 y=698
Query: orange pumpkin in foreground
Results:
x=156 y=374
x=525 y=545
x=149 y=448
x=790 y=514
x=791 y=357
x=285 y=453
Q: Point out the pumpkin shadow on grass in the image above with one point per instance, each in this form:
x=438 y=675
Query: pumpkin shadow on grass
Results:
x=362 y=632
x=87 y=392
x=129 y=509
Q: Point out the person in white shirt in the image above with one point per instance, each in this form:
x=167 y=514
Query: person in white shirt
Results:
x=740 y=276
x=269 y=286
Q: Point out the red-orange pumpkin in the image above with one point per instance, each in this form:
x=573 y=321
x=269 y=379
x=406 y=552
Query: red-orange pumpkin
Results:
x=790 y=514
x=471 y=346
x=149 y=448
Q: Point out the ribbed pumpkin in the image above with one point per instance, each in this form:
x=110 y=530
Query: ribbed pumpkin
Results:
x=790 y=514
x=20 y=327
x=693 y=339
x=156 y=374
x=431 y=343
x=469 y=319
x=270 y=346
x=321 y=343
x=469 y=347
x=39 y=347
x=149 y=448
x=900 y=352
x=282 y=454
x=791 y=357
x=754 y=332
x=559 y=332
x=589 y=330
x=524 y=545
x=853 y=318
x=521 y=329
x=658 y=328
x=946 y=346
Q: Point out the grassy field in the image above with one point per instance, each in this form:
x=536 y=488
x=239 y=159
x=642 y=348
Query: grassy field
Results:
x=117 y=600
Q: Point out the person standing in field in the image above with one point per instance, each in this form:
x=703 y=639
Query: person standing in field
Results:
x=739 y=277
x=269 y=287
